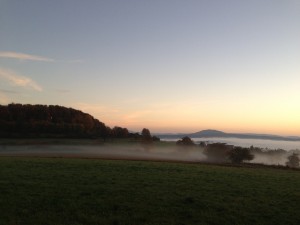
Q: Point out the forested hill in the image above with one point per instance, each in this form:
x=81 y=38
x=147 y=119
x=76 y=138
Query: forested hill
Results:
x=17 y=120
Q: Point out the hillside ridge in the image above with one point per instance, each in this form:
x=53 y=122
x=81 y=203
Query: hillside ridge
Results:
x=210 y=133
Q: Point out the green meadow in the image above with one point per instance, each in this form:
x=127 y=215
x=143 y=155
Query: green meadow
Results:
x=89 y=191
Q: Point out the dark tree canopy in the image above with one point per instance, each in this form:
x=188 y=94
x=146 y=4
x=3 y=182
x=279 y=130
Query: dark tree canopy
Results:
x=146 y=136
x=155 y=138
x=185 y=141
x=293 y=161
x=239 y=154
x=119 y=132
x=146 y=133
x=202 y=144
x=17 y=120
x=217 y=152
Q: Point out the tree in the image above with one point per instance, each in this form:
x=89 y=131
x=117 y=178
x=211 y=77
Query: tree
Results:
x=155 y=138
x=185 y=141
x=134 y=136
x=202 y=144
x=293 y=161
x=119 y=132
x=217 y=152
x=147 y=140
x=146 y=133
x=146 y=136
x=239 y=154
x=19 y=120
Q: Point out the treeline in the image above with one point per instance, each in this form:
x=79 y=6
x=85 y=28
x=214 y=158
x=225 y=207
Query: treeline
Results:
x=224 y=153
x=221 y=152
x=53 y=121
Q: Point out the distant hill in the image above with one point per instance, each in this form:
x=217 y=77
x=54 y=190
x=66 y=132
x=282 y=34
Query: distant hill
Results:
x=220 y=134
x=209 y=133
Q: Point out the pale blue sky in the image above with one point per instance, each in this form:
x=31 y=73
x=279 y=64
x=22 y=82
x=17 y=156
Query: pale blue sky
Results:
x=163 y=64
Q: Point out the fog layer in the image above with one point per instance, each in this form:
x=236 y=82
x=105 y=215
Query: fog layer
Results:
x=106 y=152
x=132 y=152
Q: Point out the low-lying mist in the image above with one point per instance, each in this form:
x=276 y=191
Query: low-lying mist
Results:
x=130 y=152
x=133 y=152
x=270 y=159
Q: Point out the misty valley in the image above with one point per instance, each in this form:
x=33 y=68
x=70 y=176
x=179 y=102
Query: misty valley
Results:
x=62 y=166
x=57 y=131
x=141 y=112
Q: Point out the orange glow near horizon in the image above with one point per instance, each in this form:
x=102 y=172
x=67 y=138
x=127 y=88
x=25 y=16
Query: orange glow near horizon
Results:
x=215 y=66
x=255 y=116
x=187 y=122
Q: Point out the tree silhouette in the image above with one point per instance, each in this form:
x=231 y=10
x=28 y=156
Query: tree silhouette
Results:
x=185 y=141
x=293 y=160
x=17 y=120
x=119 y=132
x=217 y=152
x=239 y=154
x=147 y=140
x=146 y=135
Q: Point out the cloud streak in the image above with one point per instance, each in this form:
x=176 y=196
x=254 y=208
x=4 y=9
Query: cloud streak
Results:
x=23 y=56
x=18 y=80
x=29 y=57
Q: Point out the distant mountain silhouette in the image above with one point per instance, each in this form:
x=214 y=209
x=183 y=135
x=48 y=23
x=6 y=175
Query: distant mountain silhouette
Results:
x=221 y=134
x=209 y=133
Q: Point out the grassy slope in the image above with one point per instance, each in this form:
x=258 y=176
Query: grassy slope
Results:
x=80 y=191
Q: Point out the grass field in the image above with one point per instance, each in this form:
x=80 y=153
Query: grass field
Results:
x=86 y=191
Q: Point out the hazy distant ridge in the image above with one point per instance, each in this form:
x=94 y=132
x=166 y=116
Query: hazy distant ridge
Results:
x=220 y=134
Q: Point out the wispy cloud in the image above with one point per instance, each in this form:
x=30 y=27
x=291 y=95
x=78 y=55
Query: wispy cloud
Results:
x=23 y=56
x=29 y=57
x=18 y=80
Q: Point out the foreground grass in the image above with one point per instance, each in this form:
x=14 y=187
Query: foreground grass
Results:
x=81 y=191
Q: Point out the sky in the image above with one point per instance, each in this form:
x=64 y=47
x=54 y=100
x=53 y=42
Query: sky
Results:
x=167 y=65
